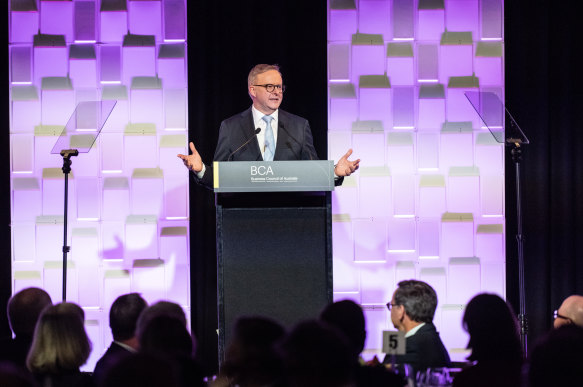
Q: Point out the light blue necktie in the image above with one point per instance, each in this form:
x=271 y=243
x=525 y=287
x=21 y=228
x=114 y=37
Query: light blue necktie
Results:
x=269 y=139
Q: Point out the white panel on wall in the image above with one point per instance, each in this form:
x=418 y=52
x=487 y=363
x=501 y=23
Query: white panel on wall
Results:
x=345 y=198
x=26 y=109
x=374 y=192
x=342 y=20
x=370 y=236
x=343 y=107
x=376 y=282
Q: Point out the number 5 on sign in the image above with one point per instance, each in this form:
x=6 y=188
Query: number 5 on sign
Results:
x=394 y=342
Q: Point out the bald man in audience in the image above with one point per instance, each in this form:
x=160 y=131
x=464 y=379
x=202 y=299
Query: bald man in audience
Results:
x=570 y=312
x=24 y=308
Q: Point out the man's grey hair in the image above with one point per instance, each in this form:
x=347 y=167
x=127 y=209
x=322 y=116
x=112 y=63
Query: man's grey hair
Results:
x=418 y=298
x=260 y=69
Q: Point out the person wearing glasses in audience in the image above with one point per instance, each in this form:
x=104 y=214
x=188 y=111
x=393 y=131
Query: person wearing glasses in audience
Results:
x=412 y=309
x=570 y=312
x=282 y=135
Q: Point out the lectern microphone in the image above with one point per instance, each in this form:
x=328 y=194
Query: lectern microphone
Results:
x=245 y=143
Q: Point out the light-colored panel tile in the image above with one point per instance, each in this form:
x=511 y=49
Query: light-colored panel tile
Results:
x=371 y=144
x=113 y=26
x=370 y=239
x=374 y=18
x=375 y=196
x=141 y=238
x=492 y=195
x=402 y=235
x=145 y=18
x=175 y=109
x=376 y=282
x=463 y=280
x=339 y=61
x=23 y=242
x=56 y=18
x=342 y=24
x=376 y=323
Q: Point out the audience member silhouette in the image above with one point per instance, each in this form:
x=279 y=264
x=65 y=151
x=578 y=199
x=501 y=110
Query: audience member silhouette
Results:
x=348 y=317
x=59 y=347
x=557 y=358
x=570 y=312
x=160 y=308
x=168 y=338
x=123 y=316
x=412 y=310
x=24 y=309
x=252 y=359
x=317 y=355
x=495 y=344
x=140 y=370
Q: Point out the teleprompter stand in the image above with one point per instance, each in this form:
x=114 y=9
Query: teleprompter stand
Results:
x=505 y=130
x=66 y=154
x=78 y=136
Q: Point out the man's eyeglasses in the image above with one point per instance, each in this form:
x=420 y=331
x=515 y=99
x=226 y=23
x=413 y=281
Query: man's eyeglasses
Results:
x=271 y=88
x=557 y=315
x=390 y=306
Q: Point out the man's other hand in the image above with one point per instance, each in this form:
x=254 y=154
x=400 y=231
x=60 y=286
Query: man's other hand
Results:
x=345 y=167
x=193 y=161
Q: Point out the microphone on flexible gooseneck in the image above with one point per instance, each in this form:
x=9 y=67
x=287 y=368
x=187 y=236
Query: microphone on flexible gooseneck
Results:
x=289 y=144
x=245 y=143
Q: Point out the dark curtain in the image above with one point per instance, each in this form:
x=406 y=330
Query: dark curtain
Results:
x=225 y=40
x=544 y=94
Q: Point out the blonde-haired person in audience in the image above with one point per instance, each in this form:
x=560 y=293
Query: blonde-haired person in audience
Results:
x=60 y=347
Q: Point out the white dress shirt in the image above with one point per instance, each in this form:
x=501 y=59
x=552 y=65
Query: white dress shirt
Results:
x=259 y=123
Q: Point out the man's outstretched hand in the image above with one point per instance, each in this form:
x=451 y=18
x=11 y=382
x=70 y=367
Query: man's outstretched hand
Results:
x=345 y=167
x=193 y=161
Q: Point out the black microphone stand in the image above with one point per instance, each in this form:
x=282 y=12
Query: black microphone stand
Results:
x=67 y=154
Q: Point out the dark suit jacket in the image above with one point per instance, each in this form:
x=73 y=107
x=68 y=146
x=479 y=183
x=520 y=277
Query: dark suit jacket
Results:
x=424 y=350
x=114 y=353
x=294 y=141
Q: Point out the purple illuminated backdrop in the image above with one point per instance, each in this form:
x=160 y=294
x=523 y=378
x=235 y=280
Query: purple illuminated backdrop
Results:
x=428 y=202
x=128 y=211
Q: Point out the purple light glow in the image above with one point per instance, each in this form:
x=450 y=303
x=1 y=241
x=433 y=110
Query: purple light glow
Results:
x=121 y=240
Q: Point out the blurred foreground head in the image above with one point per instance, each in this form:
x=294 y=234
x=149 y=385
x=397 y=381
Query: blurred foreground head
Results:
x=24 y=309
x=60 y=342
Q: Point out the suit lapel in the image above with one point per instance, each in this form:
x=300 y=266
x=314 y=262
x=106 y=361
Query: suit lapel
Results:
x=282 y=136
x=248 y=127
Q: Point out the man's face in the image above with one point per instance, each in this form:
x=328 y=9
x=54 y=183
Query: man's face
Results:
x=263 y=100
x=397 y=314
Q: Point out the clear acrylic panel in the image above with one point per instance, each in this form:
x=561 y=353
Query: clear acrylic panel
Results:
x=493 y=113
x=86 y=122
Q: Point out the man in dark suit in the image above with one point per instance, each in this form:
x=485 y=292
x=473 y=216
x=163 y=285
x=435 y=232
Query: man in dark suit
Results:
x=282 y=135
x=24 y=309
x=412 y=309
x=123 y=317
